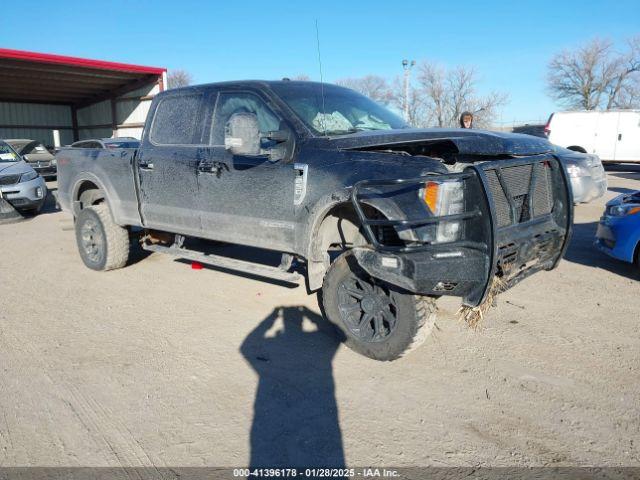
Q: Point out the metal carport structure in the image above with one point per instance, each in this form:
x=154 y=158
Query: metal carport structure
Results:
x=78 y=97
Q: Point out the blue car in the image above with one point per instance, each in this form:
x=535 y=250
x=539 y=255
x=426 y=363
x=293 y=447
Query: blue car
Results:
x=618 y=232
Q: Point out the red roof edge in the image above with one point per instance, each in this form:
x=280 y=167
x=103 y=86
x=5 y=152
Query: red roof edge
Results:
x=78 y=62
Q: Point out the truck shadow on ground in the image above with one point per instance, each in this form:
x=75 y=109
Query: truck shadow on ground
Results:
x=49 y=203
x=295 y=421
x=582 y=250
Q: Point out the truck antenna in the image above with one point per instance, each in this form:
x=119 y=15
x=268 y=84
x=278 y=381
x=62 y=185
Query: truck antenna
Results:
x=324 y=119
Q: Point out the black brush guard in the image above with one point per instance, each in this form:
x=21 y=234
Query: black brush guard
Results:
x=516 y=221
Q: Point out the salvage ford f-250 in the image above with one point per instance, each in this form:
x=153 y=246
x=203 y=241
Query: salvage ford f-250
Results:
x=382 y=219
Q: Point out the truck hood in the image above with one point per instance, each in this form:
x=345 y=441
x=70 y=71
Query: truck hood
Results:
x=467 y=142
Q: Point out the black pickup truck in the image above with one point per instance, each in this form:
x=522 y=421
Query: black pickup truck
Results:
x=380 y=218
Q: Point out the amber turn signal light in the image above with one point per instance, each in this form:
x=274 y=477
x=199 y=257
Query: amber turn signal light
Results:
x=431 y=195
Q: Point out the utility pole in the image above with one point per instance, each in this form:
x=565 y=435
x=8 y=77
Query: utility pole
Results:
x=407 y=65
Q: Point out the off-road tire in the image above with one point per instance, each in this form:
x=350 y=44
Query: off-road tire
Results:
x=112 y=241
x=414 y=321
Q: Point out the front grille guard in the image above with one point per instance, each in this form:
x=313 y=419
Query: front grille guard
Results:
x=472 y=213
x=485 y=234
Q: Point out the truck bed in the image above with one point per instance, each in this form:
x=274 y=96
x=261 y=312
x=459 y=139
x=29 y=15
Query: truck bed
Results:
x=111 y=170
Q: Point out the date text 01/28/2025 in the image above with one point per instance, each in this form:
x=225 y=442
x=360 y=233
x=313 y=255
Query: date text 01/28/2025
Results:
x=315 y=472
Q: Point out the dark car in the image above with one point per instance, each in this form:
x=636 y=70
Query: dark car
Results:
x=534 y=130
x=379 y=218
x=119 y=142
x=36 y=155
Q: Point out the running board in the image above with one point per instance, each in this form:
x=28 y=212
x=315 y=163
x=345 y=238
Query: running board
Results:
x=228 y=263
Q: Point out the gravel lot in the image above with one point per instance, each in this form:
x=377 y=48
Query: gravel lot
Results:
x=158 y=364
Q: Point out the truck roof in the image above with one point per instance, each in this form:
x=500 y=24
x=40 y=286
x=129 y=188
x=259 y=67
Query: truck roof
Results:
x=255 y=83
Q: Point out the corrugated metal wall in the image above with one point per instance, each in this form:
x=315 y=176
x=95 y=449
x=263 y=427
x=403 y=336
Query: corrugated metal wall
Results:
x=131 y=112
x=96 y=114
x=25 y=114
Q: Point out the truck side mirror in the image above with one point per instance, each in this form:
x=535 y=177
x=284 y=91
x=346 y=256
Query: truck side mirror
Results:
x=282 y=143
x=278 y=136
x=242 y=134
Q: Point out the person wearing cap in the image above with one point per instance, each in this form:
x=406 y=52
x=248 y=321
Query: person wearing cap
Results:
x=466 y=120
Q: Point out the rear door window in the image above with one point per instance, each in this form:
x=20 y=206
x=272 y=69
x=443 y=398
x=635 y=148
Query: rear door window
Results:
x=176 y=120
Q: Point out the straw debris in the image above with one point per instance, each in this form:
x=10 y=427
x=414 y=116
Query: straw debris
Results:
x=472 y=316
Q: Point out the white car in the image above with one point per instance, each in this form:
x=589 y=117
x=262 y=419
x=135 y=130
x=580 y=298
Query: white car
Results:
x=613 y=135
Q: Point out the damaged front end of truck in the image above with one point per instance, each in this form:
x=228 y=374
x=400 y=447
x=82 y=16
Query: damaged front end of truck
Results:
x=469 y=233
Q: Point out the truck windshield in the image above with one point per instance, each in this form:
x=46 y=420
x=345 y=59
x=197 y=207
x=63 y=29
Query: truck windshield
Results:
x=341 y=111
x=7 y=154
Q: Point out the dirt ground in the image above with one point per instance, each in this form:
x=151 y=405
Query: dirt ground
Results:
x=158 y=364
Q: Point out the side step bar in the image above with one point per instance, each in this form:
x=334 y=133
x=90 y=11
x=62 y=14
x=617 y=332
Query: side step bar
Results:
x=228 y=263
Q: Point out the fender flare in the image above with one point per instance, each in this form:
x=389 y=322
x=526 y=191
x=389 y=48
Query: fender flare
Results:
x=317 y=263
x=89 y=177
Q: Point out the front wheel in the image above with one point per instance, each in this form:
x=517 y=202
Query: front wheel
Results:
x=375 y=319
x=103 y=245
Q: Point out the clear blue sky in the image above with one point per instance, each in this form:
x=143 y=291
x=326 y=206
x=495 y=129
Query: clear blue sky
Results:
x=509 y=42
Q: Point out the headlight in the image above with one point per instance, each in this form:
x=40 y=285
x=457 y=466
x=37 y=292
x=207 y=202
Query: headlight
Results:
x=576 y=170
x=445 y=198
x=623 y=210
x=25 y=177
x=54 y=162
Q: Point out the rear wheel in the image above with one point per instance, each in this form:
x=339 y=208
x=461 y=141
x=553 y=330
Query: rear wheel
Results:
x=375 y=319
x=103 y=245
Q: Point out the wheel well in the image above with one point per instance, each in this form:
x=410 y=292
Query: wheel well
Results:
x=576 y=148
x=89 y=193
x=339 y=230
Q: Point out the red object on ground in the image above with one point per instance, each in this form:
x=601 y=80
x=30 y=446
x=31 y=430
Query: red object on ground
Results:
x=196 y=266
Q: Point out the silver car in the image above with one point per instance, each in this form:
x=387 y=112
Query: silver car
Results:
x=588 y=178
x=20 y=184
x=36 y=155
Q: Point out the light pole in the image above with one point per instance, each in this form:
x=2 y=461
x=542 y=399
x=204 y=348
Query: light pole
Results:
x=407 y=66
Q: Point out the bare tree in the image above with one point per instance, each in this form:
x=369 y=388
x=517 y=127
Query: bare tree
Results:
x=624 y=91
x=178 y=78
x=629 y=95
x=302 y=77
x=595 y=75
x=418 y=116
x=373 y=86
x=437 y=98
x=446 y=94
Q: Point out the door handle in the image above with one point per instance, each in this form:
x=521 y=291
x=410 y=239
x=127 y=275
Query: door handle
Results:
x=145 y=166
x=207 y=168
x=214 y=168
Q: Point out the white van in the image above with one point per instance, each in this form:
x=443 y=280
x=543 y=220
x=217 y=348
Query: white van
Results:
x=613 y=135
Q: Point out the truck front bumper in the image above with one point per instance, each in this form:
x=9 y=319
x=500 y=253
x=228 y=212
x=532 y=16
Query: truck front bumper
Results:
x=511 y=249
